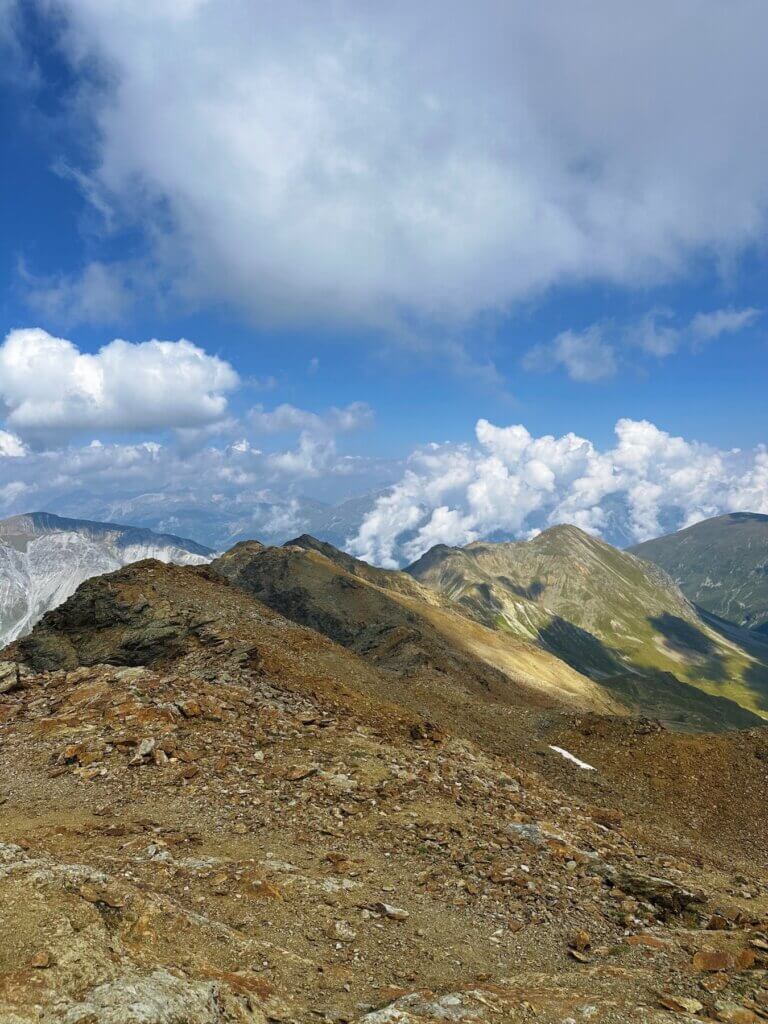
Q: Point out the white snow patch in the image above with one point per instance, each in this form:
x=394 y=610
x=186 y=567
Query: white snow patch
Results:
x=571 y=757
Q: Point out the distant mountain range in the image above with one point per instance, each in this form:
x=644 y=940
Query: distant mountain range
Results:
x=219 y=520
x=565 y=615
x=44 y=558
x=720 y=564
x=220 y=524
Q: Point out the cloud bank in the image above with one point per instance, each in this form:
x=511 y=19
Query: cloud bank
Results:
x=215 y=492
x=363 y=162
x=511 y=484
x=264 y=471
x=48 y=386
x=507 y=484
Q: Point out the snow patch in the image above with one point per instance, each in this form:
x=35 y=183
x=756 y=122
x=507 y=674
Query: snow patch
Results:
x=571 y=757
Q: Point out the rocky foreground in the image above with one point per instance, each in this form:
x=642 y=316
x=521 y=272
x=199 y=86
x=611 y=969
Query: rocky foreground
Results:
x=213 y=815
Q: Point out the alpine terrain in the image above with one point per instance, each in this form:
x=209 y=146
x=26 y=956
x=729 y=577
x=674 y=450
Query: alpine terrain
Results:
x=390 y=617
x=720 y=564
x=44 y=558
x=605 y=612
x=291 y=787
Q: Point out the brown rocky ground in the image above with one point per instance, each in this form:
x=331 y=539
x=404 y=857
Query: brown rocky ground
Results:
x=209 y=815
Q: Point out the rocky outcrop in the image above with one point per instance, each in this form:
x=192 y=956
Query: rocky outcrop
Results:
x=44 y=558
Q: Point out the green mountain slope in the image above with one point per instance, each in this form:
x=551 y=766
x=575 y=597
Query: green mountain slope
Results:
x=450 y=658
x=402 y=627
x=605 y=612
x=721 y=564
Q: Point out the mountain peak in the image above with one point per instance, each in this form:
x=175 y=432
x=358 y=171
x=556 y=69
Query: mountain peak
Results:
x=45 y=557
x=307 y=541
x=566 y=530
x=34 y=524
x=603 y=611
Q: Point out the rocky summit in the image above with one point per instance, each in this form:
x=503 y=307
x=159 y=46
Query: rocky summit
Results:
x=44 y=558
x=214 y=813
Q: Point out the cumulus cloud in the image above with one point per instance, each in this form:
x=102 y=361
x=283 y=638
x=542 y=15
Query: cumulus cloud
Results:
x=513 y=484
x=507 y=484
x=48 y=386
x=316 y=450
x=585 y=356
x=359 y=160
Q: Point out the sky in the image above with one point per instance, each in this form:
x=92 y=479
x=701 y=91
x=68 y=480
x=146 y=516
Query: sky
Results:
x=472 y=269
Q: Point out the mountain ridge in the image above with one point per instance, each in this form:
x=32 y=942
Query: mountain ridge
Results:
x=607 y=613
x=401 y=627
x=721 y=564
x=395 y=620
x=35 y=523
x=555 y=614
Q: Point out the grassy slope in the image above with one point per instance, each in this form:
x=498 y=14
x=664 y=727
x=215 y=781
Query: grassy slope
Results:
x=721 y=564
x=392 y=620
x=603 y=611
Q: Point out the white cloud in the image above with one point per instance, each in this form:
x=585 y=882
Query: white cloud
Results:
x=99 y=293
x=313 y=456
x=656 y=335
x=352 y=417
x=513 y=484
x=588 y=356
x=11 y=446
x=708 y=326
x=211 y=493
x=283 y=419
x=509 y=483
x=316 y=452
x=286 y=418
x=659 y=335
x=585 y=356
x=359 y=160
x=48 y=386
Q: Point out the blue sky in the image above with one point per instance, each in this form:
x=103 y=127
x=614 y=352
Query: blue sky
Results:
x=553 y=219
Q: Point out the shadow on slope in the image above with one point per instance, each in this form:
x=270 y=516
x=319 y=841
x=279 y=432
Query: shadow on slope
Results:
x=685 y=639
x=422 y=641
x=436 y=646
x=646 y=691
x=531 y=593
